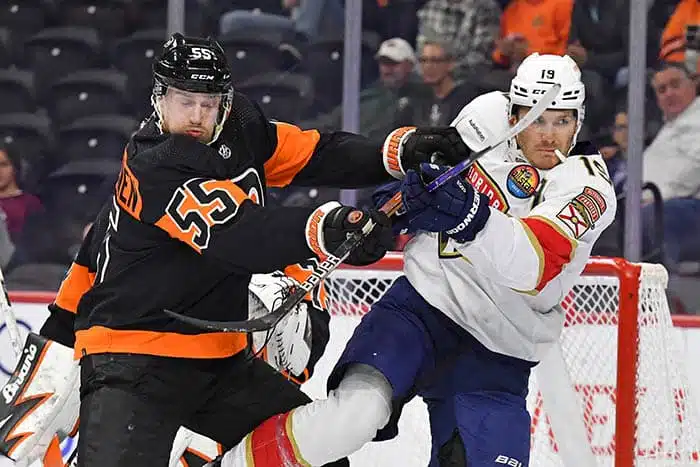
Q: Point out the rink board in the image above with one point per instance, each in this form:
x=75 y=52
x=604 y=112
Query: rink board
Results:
x=410 y=449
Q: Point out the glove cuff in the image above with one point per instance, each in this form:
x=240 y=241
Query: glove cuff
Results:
x=314 y=228
x=393 y=149
x=473 y=222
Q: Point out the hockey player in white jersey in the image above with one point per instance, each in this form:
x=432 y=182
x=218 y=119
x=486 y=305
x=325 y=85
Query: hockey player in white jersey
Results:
x=493 y=255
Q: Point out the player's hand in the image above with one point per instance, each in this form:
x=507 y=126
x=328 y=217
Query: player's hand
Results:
x=331 y=223
x=407 y=147
x=578 y=53
x=399 y=222
x=455 y=208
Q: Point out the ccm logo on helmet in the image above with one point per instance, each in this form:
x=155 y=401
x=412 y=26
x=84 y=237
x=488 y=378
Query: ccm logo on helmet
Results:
x=202 y=77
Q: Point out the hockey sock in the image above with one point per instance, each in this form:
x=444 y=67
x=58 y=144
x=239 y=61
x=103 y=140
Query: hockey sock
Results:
x=321 y=431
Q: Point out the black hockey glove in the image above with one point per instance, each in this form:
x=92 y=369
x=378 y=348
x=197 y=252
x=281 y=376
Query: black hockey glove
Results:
x=407 y=147
x=331 y=223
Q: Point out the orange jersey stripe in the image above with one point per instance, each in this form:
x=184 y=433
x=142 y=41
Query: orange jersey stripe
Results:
x=294 y=149
x=99 y=339
x=78 y=281
x=557 y=248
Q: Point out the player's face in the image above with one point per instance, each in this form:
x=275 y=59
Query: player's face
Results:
x=190 y=113
x=435 y=65
x=554 y=129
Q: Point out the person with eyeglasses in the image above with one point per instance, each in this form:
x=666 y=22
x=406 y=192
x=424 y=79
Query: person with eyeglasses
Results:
x=442 y=96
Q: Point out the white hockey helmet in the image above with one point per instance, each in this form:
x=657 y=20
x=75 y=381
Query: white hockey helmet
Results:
x=537 y=73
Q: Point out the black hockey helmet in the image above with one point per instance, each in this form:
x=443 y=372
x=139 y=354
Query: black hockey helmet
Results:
x=196 y=65
x=192 y=64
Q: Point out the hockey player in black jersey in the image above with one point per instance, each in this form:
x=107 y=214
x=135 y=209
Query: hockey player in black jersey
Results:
x=187 y=228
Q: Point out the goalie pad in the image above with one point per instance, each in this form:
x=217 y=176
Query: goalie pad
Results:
x=191 y=449
x=41 y=399
x=286 y=347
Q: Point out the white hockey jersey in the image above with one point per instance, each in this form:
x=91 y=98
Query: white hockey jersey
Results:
x=505 y=287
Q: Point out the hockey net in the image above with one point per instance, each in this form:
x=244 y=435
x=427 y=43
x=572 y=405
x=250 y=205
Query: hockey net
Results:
x=612 y=394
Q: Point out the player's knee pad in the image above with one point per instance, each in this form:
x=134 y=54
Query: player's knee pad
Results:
x=349 y=418
x=494 y=427
x=191 y=449
x=363 y=399
x=41 y=399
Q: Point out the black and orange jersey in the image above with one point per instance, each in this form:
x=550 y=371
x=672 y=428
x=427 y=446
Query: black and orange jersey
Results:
x=81 y=275
x=188 y=226
x=79 y=279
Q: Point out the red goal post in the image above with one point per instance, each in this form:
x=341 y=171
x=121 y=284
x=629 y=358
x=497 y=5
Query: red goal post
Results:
x=619 y=361
x=620 y=391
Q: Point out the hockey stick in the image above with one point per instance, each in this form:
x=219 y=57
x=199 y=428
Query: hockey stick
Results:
x=323 y=270
x=9 y=318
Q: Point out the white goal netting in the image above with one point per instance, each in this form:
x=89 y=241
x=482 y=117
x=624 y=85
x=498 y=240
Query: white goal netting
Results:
x=615 y=388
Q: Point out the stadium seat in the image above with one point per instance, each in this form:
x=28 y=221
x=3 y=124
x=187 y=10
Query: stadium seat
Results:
x=17 y=91
x=134 y=56
x=282 y=96
x=88 y=92
x=32 y=135
x=7 y=54
x=267 y=6
x=23 y=17
x=108 y=17
x=102 y=136
x=324 y=62
x=252 y=55
x=56 y=52
x=148 y=14
x=38 y=277
x=80 y=187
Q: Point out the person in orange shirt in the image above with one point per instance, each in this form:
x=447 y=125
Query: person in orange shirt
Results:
x=529 y=26
x=674 y=38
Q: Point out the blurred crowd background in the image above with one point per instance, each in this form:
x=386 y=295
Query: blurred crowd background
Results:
x=75 y=81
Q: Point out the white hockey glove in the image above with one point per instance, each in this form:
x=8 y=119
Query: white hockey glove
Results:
x=288 y=346
x=41 y=399
x=191 y=449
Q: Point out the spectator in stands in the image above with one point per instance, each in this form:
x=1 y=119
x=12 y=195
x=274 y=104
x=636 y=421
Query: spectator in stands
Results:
x=391 y=18
x=615 y=151
x=528 y=26
x=15 y=203
x=598 y=37
x=673 y=39
x=8 y=257
x=470 y=25
x=312 y=18
x=598 y=42
x=672 y=163
x=380 y=102
x=446 y=96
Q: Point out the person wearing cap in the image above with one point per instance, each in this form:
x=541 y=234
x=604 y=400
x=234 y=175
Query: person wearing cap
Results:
x=380 y=102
